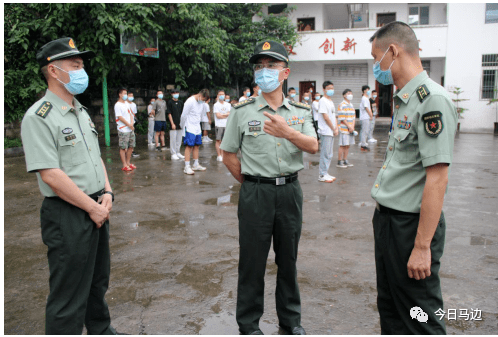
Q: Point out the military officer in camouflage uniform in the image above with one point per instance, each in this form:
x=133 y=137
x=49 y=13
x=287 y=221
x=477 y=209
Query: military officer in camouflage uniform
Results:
x=272 y=133
x=409 y=225
x=61 y=145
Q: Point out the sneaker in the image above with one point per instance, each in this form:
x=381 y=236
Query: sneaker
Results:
x=219 y=158
x=207 y=139
x=181 y=156
x=372 y=140
x=188 y=170
x=365 y=148
x=345 y=162
x=159 y=149
x=135 y=155
x=198 y=168
x=165 y=148
x=326 y=179
x=340 y=163
x=175 y=157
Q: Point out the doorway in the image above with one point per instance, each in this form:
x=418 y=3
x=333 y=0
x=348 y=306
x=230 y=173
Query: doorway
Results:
x=305 y=87
x=384 y=99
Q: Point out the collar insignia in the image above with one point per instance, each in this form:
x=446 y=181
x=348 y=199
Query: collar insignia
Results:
x=67 y=131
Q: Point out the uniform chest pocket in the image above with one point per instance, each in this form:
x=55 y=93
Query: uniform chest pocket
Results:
x=406 y=147
x=256 y=142
x=72 y=152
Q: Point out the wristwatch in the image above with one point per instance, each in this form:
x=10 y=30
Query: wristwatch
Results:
x=112 y=194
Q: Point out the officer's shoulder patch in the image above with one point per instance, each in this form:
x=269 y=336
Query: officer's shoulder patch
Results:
x=433 y=123
x=44 y=109
x=422 y=92
x=300 y=105
x=244 y=103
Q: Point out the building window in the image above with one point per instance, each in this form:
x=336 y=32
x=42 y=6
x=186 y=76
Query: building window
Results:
x=307 y=24
x=489 y=76
x=385 y=18
x=418 y=15
x=491 y=13
x=276 y=9
x=427 y=67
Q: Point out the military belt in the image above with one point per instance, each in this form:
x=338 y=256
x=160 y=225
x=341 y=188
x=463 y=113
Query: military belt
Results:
x=273 y=181
x=387 y=210
x=95 y=196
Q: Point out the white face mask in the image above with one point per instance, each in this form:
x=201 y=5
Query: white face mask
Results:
x=349 y=97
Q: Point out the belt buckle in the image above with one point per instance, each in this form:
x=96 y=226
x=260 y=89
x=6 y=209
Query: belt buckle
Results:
x=280 y=181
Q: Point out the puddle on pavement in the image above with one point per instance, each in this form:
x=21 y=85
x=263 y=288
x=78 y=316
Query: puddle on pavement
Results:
x=317 y=198
x=224 y=323
x=225 y=200
x=205 y=183
x=158 y=224
x=203 y=278
x=473 y=240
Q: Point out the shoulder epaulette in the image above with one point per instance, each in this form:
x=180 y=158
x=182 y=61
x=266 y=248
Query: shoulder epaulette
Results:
x=422 y=92
x=44 y=109
x=300 y=105
x=247 y=101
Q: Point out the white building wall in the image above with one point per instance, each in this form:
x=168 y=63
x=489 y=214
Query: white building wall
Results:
x=310 y=10
x=466 y=45
x=401 y=11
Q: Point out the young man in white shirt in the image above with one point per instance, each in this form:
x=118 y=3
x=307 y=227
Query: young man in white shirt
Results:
x=327 y=126
x=365 y=117
x=191 y=125
x=246 y=92
x=150 y=134
x=125 y=121
x=221 y=110
x=291 y=94
x=133 y=108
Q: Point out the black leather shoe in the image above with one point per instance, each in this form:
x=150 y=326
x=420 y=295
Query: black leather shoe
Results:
x=257 y=332
x=297 y=330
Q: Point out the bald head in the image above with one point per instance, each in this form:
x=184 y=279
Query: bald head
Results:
x=398 y=33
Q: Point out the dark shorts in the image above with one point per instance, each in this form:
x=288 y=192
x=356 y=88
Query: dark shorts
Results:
x=191 y=140
x=159 y=126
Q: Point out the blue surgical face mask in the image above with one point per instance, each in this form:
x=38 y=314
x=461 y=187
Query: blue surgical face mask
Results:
x=160 y=96
x=259 y=92
x=130 y=99
x=78 y=81
x=383 y=76
x=124 y=97
x=227 y=100
x=307 y=98
x=374 y=96
x=317 y=97
x=222 y=97
x=330 y=92
x=267 y=79
x=248 y=93
x=175 y=96
x=292 y=95
x=368 y=92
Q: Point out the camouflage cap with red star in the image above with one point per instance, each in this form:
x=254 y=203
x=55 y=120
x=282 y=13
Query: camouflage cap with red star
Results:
x=60 y=49
x=269 y=48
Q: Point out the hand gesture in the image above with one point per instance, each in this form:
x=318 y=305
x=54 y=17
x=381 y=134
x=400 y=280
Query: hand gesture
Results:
x=173 y=127
x=107 y=201
x=419 y=263
x=99 y=215
x=276 y=126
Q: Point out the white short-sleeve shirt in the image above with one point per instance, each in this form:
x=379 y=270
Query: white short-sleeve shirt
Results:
x=365 y=103
x=123 y=110
x=326 y=106
x=191 y=115
x=221 y=108
x=205 y=118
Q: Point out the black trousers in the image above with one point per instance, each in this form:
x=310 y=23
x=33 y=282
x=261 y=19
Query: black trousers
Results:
x=79 y=263
x=397 y=293
x=267 y=211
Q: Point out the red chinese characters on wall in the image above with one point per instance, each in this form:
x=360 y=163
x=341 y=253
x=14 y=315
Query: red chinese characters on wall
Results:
x=349 y=44
x=328 y=46
x=290 y=49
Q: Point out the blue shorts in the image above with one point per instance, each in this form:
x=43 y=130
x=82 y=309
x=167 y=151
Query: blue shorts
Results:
x=191 y=140
x=159 y=126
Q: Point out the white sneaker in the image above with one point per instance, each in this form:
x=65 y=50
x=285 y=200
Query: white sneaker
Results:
x=326 y=179
x=219 y=158
x=372 y=140
x=175 y=157
x=165 y=148
x=188 y=170
x=207 y=139
x=181 y=156
x=198 y=168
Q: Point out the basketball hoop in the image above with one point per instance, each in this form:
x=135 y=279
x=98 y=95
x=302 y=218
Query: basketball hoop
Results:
x=136 y=45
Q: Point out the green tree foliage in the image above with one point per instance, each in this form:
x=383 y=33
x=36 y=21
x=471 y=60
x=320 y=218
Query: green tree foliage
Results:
x=200 y=45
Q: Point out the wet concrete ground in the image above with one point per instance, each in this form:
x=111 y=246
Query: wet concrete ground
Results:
x=174 y=245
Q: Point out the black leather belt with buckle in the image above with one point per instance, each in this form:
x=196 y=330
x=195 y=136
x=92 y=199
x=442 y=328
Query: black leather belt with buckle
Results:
x=387 y=210
x=273 y=181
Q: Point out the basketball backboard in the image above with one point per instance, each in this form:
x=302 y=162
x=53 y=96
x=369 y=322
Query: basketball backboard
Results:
x=134 y=45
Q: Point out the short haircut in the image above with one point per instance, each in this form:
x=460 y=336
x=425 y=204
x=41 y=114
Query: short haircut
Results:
x=398 y=33
x=374 y=90
x=254 y=85
x=365 y=87
x=158 y=92
x=227 y=96
x=204 y=92
x=175 y=91
x=120 y=90
x=221 y=90
x=346 y=91
x=291 y=88
x=245 y=89
x=130 y=93
x=326 y=83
